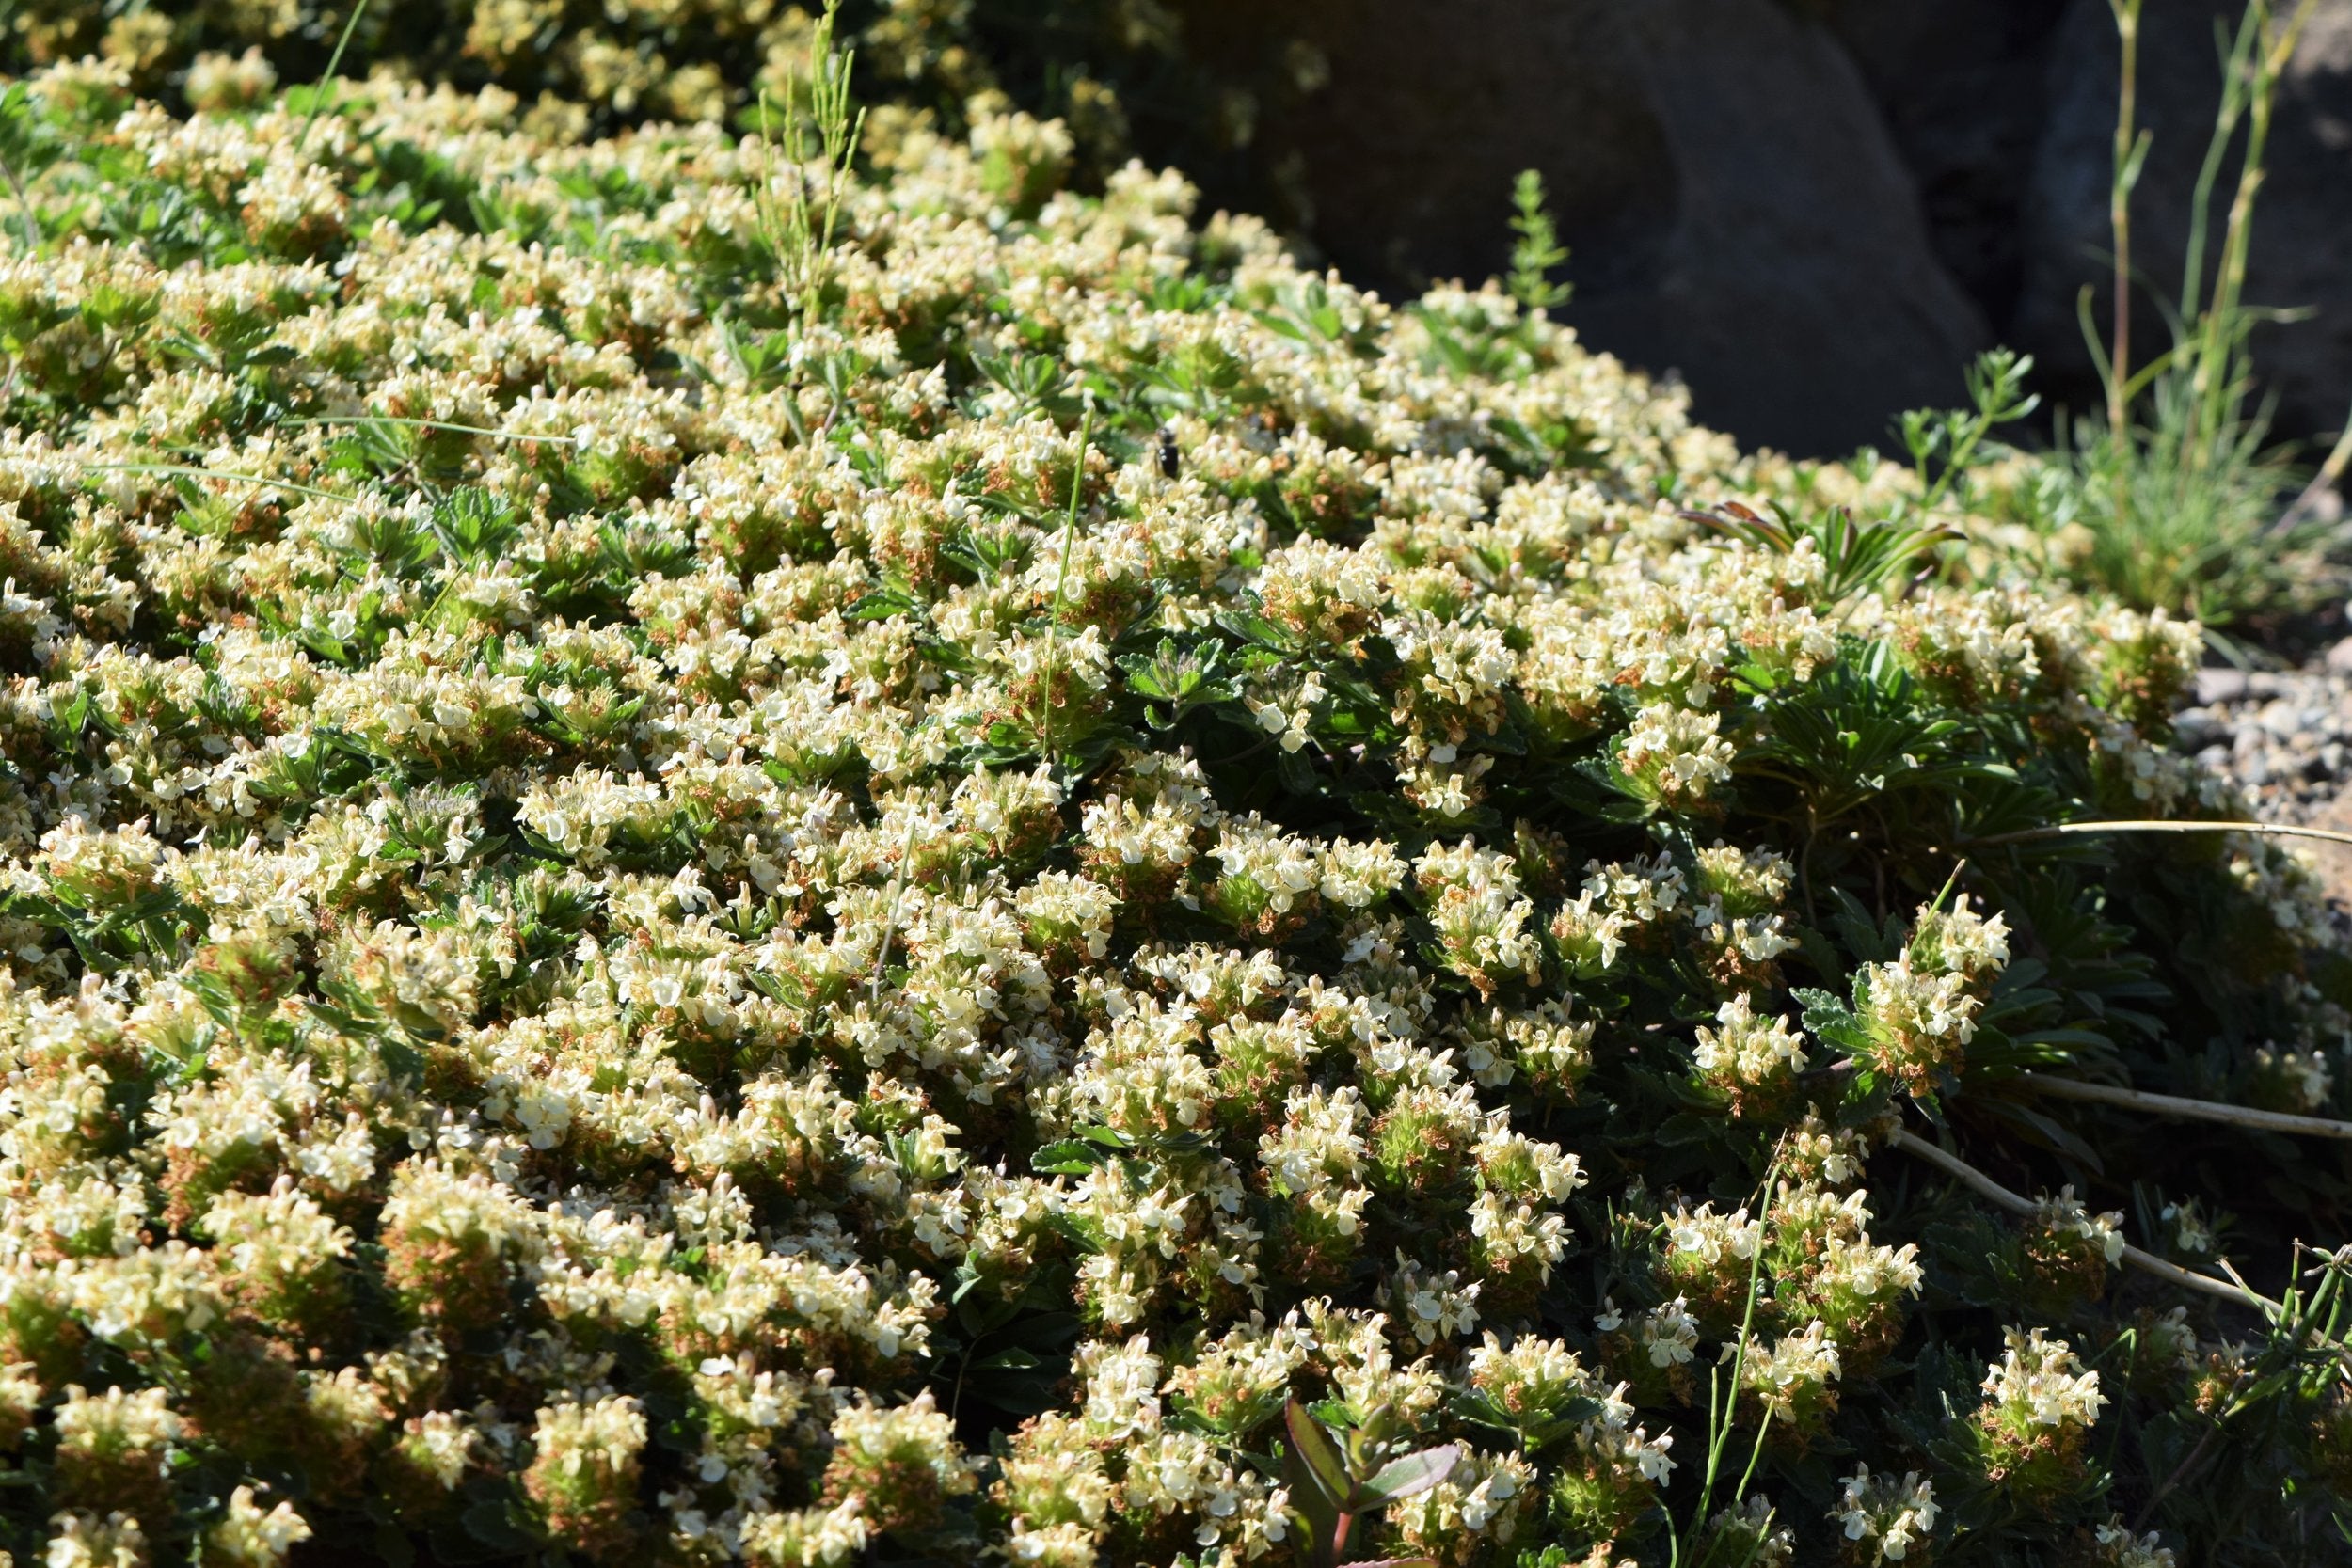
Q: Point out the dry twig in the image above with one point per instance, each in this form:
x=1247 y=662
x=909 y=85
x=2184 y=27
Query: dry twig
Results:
x=2147 y=1262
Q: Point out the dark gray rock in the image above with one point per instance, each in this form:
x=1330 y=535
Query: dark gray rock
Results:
x=1964 y=85
x=1736 y=210
x=1816 y=211
x=2005 y=112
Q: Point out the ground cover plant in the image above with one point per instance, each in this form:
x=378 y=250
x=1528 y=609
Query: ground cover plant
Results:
x=715 y=858
x=1104 y=66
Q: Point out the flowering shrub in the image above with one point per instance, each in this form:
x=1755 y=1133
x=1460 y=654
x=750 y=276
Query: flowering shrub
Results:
x=646 y=924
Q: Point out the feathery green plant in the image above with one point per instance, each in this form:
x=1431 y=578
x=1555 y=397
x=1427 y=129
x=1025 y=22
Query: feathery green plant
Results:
x=823 y=121
x=1536 y=249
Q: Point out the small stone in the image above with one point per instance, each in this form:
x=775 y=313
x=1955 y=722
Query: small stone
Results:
x=2222 y=686
x=2199 y=727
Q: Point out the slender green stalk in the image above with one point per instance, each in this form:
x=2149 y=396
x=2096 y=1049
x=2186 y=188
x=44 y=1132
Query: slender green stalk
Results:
x=1719 y=1433
x=2130 y=150
x=334 y=63
x=431 y=424
x=2329 y=472
x=1062 y=587
x=14 y=96
x=890 y=927
x=2221 y=386
x=801 y=237
x=2183 y=498
x=2225 y=121
x=183 y=470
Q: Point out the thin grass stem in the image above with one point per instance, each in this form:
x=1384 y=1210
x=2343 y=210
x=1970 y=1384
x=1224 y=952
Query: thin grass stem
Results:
x=1061 y=589
x=23 y=199
x=2129 y=150
x=1720 y=1435
x=183 y=470
x=429 y=424
x=2266 y=829
x=2306 y=503
x=890 y=927
x=334 y=63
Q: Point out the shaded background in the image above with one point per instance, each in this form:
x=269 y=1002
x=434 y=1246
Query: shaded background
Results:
x=1815 y=212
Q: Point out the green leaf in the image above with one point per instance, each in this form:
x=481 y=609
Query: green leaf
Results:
x=1829 y=1019
x=491 y=1522
x=1070 y=1157
x=883 y=604
x=1317 y=1452
x=1407 y=1477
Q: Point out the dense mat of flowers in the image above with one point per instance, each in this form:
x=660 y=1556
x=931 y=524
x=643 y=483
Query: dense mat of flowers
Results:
x=1108 y=66
x=641 y=923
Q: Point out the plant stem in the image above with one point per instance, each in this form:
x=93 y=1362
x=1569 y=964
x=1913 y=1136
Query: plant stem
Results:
x=2307 y=501
x=2220 y=386
x=2147 y=1262
x=890 y=928
x=2197 y=1110
x=430 y=424
x=2180 y=1473
x=334 y=63
x=1061 y=586
x=2120 y=218
x=2271 y=829
x=184 y=471
x=1722 y=1433
x=24 y=207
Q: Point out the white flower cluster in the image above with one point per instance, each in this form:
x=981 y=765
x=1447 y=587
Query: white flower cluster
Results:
x=2064 y=1219
x=1890 y=1517
x=1747 y=1054
x=1921 y=1011
x=2040 y=1383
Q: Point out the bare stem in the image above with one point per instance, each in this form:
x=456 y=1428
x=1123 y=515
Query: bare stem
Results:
x=24 y=207
x=2272 y=829
x=183 y=470
x=430 y=424
x=2338 y=456
x=1720 y=1434
x=2147 y=1262
x=2195 y=1110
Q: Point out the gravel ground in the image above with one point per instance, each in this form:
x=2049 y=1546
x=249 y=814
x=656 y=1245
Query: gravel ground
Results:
x=2286 y=738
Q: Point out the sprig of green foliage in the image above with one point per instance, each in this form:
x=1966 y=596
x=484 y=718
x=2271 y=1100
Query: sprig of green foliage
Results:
x=1536 y=249
x=822 y=123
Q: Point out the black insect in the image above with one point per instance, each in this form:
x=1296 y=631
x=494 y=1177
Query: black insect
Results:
x=1168 y=451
